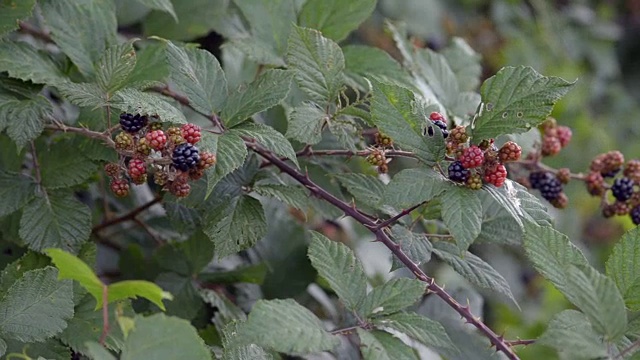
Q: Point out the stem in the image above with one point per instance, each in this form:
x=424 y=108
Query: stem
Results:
x=346 y=330
x=398 y=216
x=319 y=192
x=57 y=126
x=523 y=342
x=128 y=216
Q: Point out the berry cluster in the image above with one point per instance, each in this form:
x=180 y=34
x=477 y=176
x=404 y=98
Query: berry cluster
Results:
x=145 y=148
x=554 y=137
x=604 y=174
x=377 y=158
x=550 y=187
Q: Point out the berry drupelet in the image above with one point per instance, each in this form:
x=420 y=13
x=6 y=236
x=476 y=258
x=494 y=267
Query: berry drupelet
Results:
x=133 y=123
x=185 y=157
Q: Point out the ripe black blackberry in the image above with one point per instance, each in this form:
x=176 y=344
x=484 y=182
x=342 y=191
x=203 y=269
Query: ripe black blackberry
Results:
x=548 y=184
x=635 y=215
x=622 y=188
x=441 y=125
x=133 y=123
x=185 y=156
x=457 y=172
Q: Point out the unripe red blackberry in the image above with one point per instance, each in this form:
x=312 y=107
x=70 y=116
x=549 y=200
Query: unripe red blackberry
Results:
x=137 y=168
x=457 y=172
x=595 y=183
x=495 y=174
x=561 y=201
x=180 y=188
x=120 y=187
x=383 y=140
x=192 y=133
x=564 y=135
x=472 y=157
x=436 y=116
x=613 y=161
x=156 y=139
x=142 y=148
x=510 y=151
x=112 y=170
x=474 y=182
x=133 y=123
x=376 y=158
x=632 y=170
x=207 y=160
x=622 y=188
x=175 y=135
x=124 y=141
x=620 y=208
x=550 y=146
x=564 y=175
x=459 y=134
x=196 y=173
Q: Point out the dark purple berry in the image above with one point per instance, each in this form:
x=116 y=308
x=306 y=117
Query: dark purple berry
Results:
x=133 y=123
x=622 y=188
x=185 y=157
x=635 y=215
x=441 y=125
x=548 y=184
x=457 y=172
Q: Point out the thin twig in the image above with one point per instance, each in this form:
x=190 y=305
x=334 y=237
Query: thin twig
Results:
x=398 y=216
x=148 y=230
x=523 y=342
x=634 y=345
x=346 y=330
x=27 y=28
x=57 y=126
x=464 y=311
x=128 y=216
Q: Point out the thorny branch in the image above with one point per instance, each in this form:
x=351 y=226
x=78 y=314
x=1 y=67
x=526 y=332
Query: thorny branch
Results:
x=128 y=216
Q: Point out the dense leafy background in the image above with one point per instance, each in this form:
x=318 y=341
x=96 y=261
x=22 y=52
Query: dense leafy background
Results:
x=250 y=266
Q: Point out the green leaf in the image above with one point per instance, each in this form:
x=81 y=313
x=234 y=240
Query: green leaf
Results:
x=551 y=253
x=185 y=302
x=515 y=100
x=82 y=29
x=71 y=267
x=473 y=268
x=623 y=266
x=136 y=101
x=253 y=274
x=16 y=190
x=36 y=307
x=3 y=347
x=570 y=332
x=13 y=11
x=597 y=296
x=24 y=62
x=238 y=227
x=270 y=22
x=251 y=351
x=196 y=19
x=58 y=220
x=365 y=188
x=413 y=186
x=379 y=345
x=83 y=94
x=131 y=289
x=305 y=123
x=464 y=62
x=268 y=137
x=97 y=351
x=86 y=325
x=114 y=67
x=337 y=264
x=417 y=327
x=318 y=62
x=417 y=247
x=462 y=214
x=151 y=64
x=198 y=75
x=370 y=62
x=228 y=312
x=291 y=195
x=230 y=154
x=287 y=327
x=162 y=5
x=392 y=296
x=14 y=271
x=62 y=166
x=49 y=349
x=438 y=82
x=519 y=203
x=267 y=91
x=396 y=112
x=335 y=18
x=164 y=338
x=25 y=119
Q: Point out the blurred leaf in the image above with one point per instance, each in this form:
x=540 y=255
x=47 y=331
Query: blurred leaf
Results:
x=335 y=18
x=24 y=62
x=318 y=62
x=185 y=302
x=439 y=81
x=69 y=23
x=62 y=166
x=251 y=351
x=570 y=332
x=162 y=5
x=464 y=62
x=57 y=220
x=337 y=264
x=98 y=352
x=392 y=296
x=227 y=312
x=462 y=214
x=115 y=65
x=305 y=123
x=198 y=75
x=623 y=267
x=36 y=307
x=267 y=91
x=420 y=328
x=366 y=62
x=473 y=268
x=515 y=100
x=12 y=12
x=50 y=349
x=379 y=345
x=249 y=274
x=413 y=186
x=16 y=190
x=163 y=338
x=287 y=327
x=269 y=138
x=14 y=271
